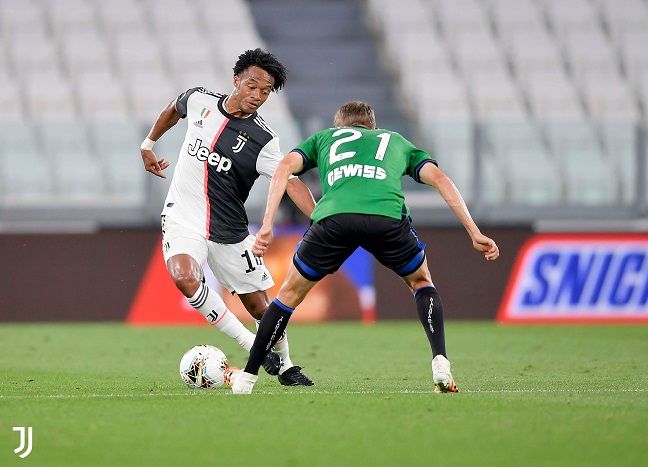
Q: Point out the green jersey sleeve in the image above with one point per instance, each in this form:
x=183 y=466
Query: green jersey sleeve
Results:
x=308 y=150
x=417 y=159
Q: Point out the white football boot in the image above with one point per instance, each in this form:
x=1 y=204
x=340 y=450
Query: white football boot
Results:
x=241 y=382
x=443 y=380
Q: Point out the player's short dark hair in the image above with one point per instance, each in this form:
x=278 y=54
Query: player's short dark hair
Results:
x=264 y=60
x=355 y=113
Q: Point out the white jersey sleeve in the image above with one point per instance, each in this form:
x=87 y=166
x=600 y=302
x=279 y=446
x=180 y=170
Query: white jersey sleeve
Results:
x=269 y=158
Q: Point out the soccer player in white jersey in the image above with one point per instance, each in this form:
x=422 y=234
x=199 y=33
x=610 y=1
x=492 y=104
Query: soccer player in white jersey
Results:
x=226 y=148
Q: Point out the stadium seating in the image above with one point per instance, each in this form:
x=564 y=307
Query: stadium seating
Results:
x=121 y=165
x=84 y=51
x=495 y=96
x=77 y=171
x=520 y=38
x=101 y=97
x=552 y=96
x=620 y=142
x=634 y=54
x=33 y=53
x=441 y=97
x=531 y=176
x=49 y=96
x=83 y=79
x=11 y=105
x=451 y=144
x=539 y=64
x=622 y=16
x=554 y=87
x=70 y=16
x=19 y=18
x=113 y=19
x=25 y=172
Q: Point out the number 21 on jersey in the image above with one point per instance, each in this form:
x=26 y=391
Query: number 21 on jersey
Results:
x=353 y=135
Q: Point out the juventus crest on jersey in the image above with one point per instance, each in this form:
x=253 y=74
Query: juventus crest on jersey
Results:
x=219 y=161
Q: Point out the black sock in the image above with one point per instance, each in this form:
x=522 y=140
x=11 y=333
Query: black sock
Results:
x=271 y=328
x=430 y=312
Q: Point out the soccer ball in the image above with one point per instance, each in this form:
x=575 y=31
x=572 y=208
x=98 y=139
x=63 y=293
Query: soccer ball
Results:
x=203 y=366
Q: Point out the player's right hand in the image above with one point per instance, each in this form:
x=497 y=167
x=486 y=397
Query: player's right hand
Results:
x=487 y=246
x=263 y=239
x=152 y=164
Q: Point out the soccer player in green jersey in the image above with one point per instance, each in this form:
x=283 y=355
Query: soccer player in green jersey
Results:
x=362 y=205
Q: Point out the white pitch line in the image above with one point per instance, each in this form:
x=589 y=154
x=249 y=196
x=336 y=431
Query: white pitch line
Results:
x=208 y=393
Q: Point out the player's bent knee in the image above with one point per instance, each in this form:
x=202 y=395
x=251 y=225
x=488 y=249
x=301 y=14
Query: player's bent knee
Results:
x=186 y=282
x=419 y=278
x=295 y=287
x=185 y=273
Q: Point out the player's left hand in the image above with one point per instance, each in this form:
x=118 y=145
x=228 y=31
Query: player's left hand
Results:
x=263 y=239
x=487 y=246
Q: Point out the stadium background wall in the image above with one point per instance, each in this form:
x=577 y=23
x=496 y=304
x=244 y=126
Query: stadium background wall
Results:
x=96 y=277
x=470 y=286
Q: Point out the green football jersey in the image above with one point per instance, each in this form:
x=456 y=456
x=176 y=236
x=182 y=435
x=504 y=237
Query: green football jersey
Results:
x=361 y=170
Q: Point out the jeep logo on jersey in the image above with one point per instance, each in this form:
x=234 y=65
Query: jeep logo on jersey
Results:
x=203 y=154
x=570 y=278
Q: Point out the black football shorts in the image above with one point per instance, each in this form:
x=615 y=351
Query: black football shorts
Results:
x=329 y=242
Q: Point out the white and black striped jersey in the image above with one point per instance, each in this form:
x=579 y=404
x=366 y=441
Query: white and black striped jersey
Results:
x=219 y=161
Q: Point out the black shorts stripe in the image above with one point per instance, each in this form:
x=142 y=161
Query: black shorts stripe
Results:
x=306 y=271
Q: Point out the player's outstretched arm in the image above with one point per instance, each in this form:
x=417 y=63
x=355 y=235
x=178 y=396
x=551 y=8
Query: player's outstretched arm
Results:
x=289 y=165
x=301 y=195
x=166 y=120
x=431 y=175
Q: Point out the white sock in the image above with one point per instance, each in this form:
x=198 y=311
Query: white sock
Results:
x=282 y=349
x=209 y=304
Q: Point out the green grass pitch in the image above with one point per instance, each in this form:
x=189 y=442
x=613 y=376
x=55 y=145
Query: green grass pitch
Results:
x=110 y=395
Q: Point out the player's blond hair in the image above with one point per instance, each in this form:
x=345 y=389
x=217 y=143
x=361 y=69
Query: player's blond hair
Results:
x=355 y=113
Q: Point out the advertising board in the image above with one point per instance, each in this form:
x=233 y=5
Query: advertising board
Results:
x=594 y=278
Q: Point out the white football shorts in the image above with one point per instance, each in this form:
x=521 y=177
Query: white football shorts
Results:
x=233 y=265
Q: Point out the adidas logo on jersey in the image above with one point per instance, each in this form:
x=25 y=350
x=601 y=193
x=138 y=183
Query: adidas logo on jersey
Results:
x=203 y=114
x=265 y=277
